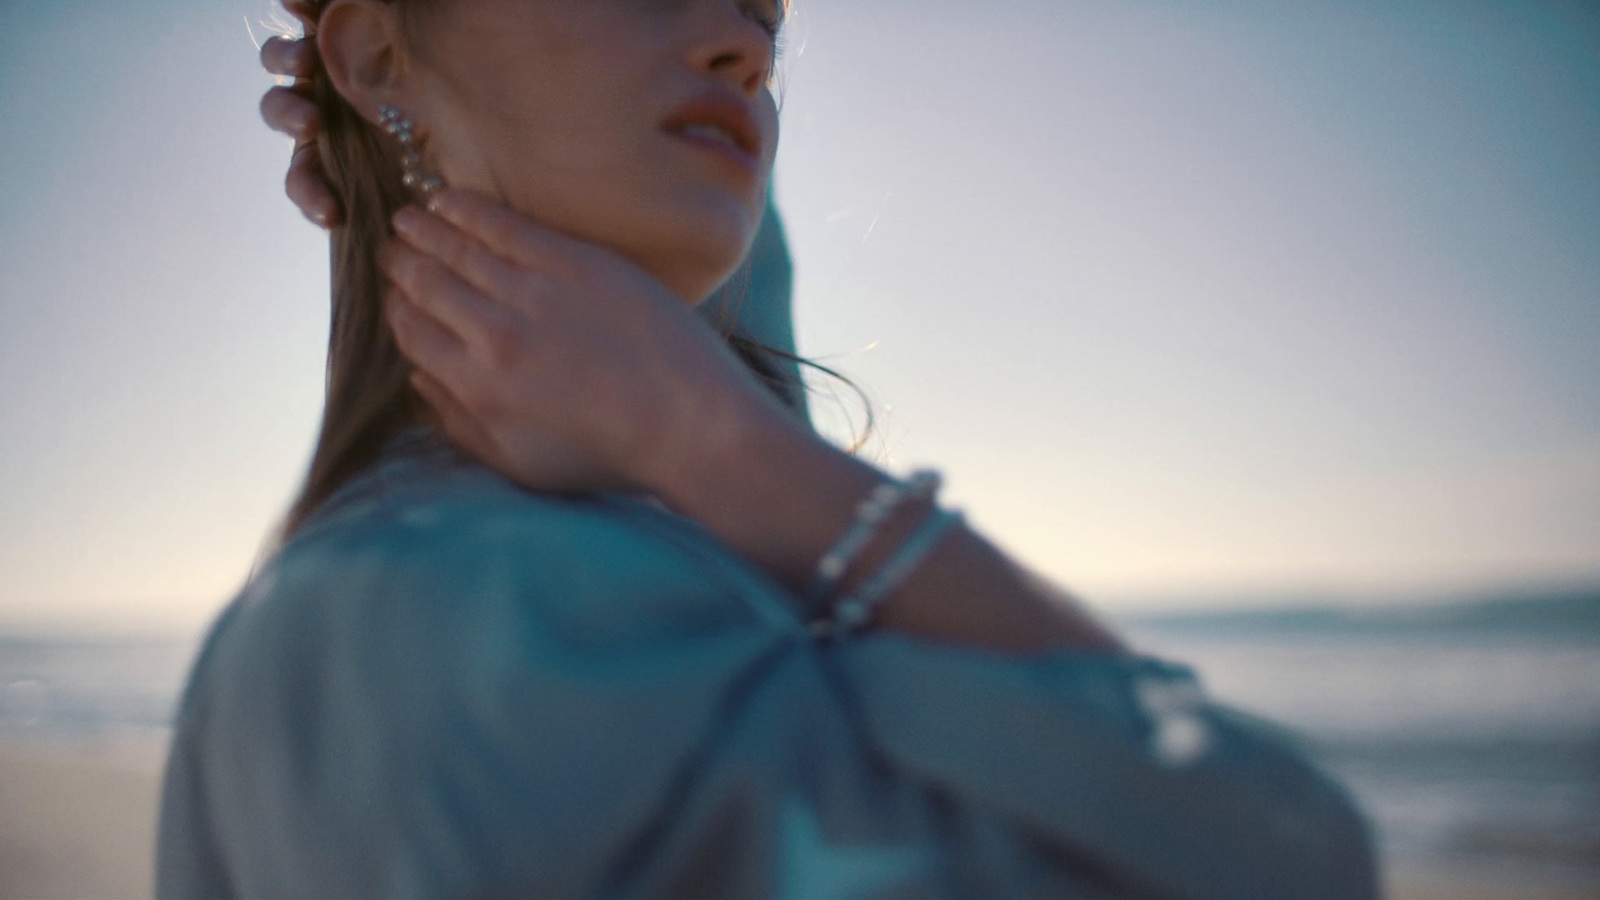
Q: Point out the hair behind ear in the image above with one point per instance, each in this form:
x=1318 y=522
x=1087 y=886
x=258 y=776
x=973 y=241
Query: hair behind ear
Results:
x=369 y=397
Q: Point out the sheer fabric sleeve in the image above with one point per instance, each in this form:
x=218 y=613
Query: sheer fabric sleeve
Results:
x=455 y=699
x=1118 y=764
x=479 y=697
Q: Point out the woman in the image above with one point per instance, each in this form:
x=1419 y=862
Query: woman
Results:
x=574 y=602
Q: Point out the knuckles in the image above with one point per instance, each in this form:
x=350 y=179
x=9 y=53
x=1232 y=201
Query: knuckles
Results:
x=498 y=230
x=503 y=345
x=457 y=252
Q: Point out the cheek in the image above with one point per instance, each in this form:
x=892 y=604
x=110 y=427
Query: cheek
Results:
x=552 y=102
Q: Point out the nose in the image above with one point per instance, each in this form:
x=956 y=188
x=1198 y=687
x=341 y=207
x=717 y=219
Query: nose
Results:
x=733 y=45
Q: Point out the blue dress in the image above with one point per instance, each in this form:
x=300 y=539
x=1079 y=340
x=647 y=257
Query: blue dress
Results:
x=446 y=686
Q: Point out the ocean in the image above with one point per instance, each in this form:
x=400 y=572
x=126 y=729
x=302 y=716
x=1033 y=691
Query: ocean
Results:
x=1470 y=747
x=1469 y=750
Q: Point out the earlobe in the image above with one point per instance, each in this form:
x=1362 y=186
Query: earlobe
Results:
x=363 y=53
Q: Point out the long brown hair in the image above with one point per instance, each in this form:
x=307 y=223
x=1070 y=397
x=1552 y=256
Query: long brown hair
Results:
x=369 y=396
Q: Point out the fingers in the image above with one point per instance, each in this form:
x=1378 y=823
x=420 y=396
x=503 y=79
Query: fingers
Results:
x=503 y=230
x=425 y=341
x=441 y=361
x=308 y=189
x=289 y=57
x=450 y=305
x=287 y=111
x=459 y=423
x=466 y=256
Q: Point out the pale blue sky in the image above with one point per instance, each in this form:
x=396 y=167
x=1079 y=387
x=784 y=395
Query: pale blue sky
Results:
x=1188 y=300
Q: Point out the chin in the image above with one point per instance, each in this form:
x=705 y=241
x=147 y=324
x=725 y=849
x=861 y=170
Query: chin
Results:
x=698 y=248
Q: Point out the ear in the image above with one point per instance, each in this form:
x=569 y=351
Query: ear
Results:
x=364 y=53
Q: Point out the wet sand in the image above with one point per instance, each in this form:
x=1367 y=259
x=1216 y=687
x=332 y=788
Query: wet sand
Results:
x=78 y=821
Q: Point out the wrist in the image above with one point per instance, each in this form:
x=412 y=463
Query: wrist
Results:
x=781 y=496
x=723 y=435
x=773 y=490
x=701 y=422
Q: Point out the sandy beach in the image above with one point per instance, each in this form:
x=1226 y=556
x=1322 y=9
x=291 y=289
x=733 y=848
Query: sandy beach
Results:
x=78 y=821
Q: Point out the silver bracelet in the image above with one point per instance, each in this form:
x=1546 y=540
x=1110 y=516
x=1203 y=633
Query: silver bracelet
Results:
x=853 y=612
x=871 y=513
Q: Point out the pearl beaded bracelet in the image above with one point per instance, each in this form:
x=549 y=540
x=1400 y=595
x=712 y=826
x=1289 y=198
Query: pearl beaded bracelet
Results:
x=871 y=513
x=852 y=613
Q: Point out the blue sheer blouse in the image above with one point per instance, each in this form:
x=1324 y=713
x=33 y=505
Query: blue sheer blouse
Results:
x=446 y=686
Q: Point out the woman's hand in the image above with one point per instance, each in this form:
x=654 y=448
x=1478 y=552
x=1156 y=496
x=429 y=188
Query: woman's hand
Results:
x=557 y=362
x=466 y=338
x=291 y=110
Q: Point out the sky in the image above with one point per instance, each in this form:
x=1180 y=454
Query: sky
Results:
x=1195 y=305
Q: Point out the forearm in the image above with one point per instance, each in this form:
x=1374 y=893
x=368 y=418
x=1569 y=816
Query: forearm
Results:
x=782 y=497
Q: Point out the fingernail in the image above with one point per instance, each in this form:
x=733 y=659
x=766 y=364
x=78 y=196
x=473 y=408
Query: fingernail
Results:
x=406 y=221
x=303 y=121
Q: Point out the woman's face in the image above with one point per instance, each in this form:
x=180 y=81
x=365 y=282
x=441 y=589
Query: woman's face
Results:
x=645 y=126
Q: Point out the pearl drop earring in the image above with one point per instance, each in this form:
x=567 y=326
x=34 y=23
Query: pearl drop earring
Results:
x=398 y=126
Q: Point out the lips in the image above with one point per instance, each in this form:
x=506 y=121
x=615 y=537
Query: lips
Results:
x=721 y=117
